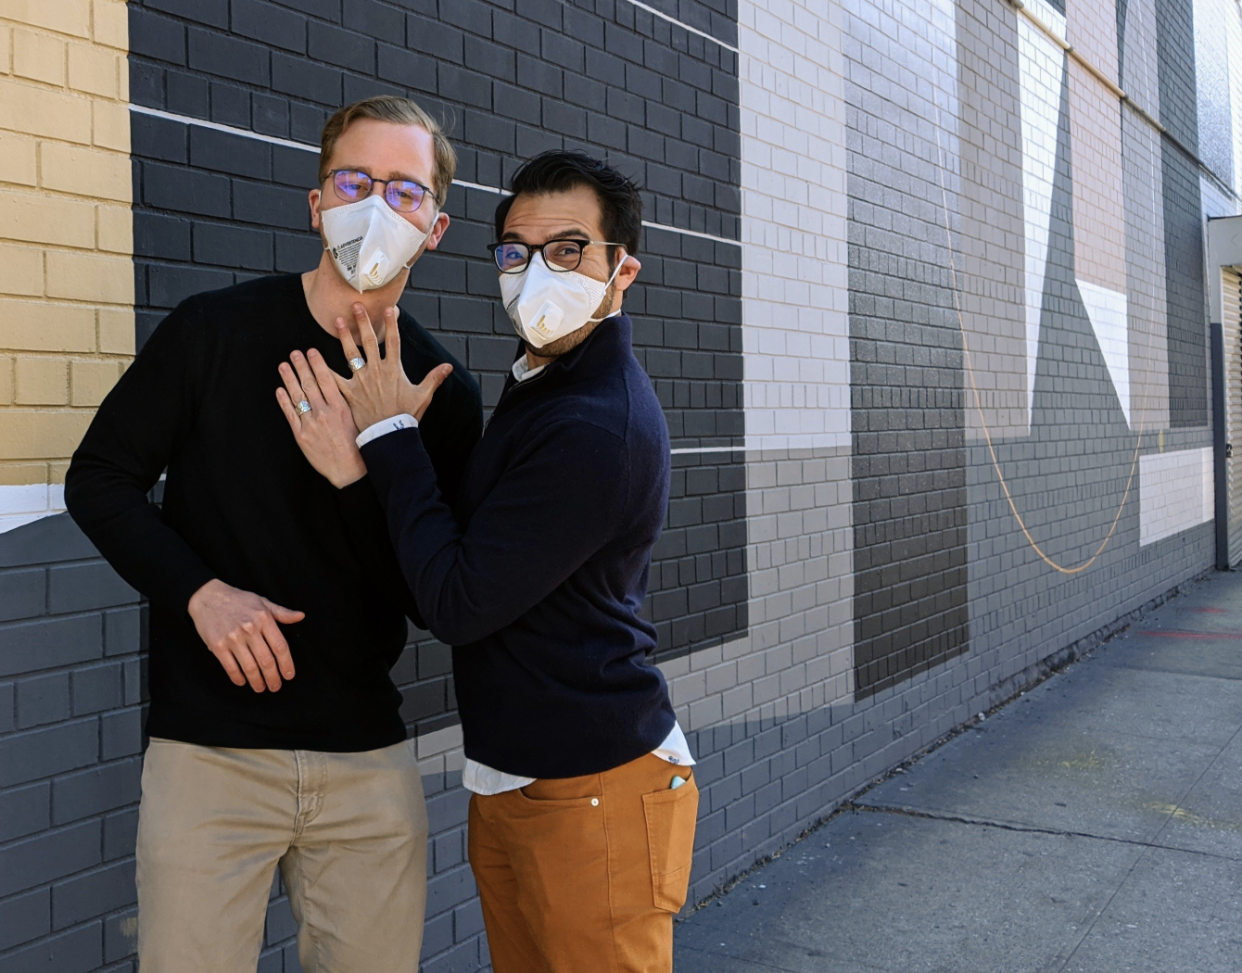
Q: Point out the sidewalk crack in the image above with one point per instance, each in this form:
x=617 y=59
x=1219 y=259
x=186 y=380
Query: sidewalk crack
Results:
x=910 y=812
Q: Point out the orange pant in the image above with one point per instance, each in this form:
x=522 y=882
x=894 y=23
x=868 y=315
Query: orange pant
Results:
x=584 y=874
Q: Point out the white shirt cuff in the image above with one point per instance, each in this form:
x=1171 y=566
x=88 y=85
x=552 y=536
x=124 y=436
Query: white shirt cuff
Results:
x=384 y=427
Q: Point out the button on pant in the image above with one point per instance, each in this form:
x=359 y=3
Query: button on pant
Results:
x=347 y=830
x=585 y=873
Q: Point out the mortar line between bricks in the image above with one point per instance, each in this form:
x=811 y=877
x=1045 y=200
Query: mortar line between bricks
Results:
x=910 y=812
x=307 y=147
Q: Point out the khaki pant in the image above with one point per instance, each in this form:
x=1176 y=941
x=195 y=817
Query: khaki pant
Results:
x=584 y=874
x=348 y=831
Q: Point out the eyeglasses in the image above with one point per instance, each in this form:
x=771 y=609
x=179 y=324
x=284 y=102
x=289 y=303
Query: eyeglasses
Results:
x=560 y=255
x=403 y=195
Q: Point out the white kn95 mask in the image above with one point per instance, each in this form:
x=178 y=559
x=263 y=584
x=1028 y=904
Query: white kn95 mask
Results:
x=545 y=305
x=370 y=243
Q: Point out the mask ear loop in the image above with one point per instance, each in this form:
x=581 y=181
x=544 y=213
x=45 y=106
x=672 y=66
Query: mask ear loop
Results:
x=427 y=237
x=620 y=263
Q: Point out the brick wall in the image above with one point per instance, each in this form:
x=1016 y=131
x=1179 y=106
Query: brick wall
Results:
x=216 y=206
x=71 y=692
x=66 y=294
x=918 y=454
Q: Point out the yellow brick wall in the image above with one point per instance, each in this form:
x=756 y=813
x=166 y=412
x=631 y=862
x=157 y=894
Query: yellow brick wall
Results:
x=66 y=234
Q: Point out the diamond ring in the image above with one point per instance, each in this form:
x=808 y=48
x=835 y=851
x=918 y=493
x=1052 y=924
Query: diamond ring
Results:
x=357 y=364
x=303 y=407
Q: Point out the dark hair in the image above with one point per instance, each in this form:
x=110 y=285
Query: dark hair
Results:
x=558 y=171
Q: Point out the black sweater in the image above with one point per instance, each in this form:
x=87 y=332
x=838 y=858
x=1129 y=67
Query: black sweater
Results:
x=539 y=593
x=243 y=505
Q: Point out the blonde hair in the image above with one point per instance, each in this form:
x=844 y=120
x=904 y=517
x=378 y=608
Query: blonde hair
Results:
x=399 y=111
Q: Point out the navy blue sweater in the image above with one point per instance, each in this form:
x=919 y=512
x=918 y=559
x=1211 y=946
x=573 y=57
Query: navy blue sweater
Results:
x=537 y=574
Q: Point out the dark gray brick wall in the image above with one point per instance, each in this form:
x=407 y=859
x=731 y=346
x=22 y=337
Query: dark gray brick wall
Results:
x=906 y=383
x=1175 y=57
x=71 y=697
x=212 y=209
x=1184 y=277
x=513 y=79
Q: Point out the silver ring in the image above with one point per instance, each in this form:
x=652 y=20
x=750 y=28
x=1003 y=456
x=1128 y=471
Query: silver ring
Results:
x=303 y=407
x=357 y=364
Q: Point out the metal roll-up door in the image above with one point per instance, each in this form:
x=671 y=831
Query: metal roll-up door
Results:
x=1231 y=319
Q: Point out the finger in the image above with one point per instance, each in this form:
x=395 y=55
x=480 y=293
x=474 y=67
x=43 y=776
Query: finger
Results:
x=240 y=650
x=306 y=378
x=392 y=334
x=326 y=379
x=286 y=406
x=280 y=648
x=370 y=343
x=292 y=385
x=347 y=340
x=236 y=676
x=262 y=655
x=286 y=616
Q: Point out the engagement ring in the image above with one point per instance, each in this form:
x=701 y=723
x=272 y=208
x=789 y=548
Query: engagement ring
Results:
x=356 y=364
x=303 y=407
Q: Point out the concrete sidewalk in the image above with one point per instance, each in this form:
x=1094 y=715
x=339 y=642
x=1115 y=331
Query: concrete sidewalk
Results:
x=1094 y=825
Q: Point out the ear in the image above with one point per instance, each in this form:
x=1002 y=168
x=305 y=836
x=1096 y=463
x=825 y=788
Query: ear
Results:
x=437 y=230
x=630 y=267
x=313 y=198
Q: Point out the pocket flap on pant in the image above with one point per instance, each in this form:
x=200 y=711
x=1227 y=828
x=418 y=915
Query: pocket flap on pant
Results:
x=671 y=816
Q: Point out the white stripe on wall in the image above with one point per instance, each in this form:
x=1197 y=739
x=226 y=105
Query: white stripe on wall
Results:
x=245 y=133
x=21 y=505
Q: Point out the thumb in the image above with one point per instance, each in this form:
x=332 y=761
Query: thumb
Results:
x=285 y=615
x=427 y=387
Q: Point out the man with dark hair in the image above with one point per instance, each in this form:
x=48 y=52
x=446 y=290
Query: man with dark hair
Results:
x=583 y=808
x=276 y=603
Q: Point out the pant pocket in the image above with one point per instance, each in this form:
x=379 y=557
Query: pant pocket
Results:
x=557 y=849
x=671 y=816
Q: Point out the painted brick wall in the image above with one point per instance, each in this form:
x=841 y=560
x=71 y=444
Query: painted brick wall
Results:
x=71 y=693
x=213 y=207
x=66 y=297
x=907 y=409
x=890 y=207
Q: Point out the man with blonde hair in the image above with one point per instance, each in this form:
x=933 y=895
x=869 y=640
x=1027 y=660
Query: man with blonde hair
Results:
x=276 y=603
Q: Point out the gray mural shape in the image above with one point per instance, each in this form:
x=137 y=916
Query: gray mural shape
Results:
x=1183 y=215
x=907 y=419
x=1079 y=435
x=1122 y=9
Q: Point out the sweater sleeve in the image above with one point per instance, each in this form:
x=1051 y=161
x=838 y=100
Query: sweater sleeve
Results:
x=136 y=432
x=451 y=427
x=556 y=506
x=452 y=431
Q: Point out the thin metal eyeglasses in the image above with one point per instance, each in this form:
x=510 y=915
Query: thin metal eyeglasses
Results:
x=559 y=255
x=403 y=195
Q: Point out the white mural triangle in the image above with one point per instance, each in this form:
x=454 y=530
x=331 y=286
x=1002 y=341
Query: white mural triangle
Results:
x=1042 y=72
x=1108 y=312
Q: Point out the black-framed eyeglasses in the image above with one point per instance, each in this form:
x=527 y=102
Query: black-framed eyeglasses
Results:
x=560 y=255
x=403 y=195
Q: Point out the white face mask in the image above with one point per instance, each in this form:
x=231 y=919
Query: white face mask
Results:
x=370 y=243
x=546 y=305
